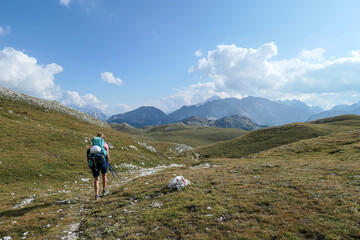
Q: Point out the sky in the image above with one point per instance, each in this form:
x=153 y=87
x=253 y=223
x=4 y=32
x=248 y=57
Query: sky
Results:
x=119 y=55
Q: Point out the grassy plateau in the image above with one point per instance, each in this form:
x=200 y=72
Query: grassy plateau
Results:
x=297 y=181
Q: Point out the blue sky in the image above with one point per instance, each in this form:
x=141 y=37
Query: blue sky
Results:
x=120 y=55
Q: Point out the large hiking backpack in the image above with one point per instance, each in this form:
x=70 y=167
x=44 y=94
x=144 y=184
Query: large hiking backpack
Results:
x=97 y=152
x=98 y=146
x=96 y=160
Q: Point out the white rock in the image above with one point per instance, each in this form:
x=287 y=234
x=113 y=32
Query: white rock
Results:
x=25 y=202
x=178 y=182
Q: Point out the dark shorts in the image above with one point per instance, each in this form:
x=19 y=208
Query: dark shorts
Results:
x=102 y=167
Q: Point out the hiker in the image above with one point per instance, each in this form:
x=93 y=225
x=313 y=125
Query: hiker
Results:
x=98 y=159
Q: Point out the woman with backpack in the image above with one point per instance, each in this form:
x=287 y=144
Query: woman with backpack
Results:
x=98 y=159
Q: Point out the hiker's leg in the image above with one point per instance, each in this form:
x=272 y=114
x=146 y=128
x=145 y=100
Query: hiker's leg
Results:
x=96 y=174
x=104 y=181
x=104 y=168
x=96 y=185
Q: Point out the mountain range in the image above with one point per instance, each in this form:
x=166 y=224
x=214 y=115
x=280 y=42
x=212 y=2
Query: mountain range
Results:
x=260 y=110
x=337 y=111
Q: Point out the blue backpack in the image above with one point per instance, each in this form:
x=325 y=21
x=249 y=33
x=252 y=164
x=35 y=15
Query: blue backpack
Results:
x=98 y=141
x=96 y=159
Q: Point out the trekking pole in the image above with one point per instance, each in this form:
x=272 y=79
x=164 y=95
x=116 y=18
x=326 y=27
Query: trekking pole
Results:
x=113 y=170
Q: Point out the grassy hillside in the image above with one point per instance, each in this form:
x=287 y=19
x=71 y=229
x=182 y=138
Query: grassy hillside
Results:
x=298 y=181
x=304 y=190
x=183 y=134
x=264 y=139
x=43 y=145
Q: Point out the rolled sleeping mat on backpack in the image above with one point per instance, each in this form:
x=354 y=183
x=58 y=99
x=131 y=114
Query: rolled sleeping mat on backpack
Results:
x=95 y=149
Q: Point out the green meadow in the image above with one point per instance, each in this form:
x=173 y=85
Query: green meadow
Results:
x=297 y=181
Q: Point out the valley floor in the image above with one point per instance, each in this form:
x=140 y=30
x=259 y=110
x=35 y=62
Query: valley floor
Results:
x=304 y=190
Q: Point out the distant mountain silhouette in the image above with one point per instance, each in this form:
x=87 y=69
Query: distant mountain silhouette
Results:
x=197 y=121
x=95 y=112
x=260 y=110
x=337 y=111
x=236 y=121
x=141 y=117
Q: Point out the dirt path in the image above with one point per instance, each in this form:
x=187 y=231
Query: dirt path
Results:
x=71 y=232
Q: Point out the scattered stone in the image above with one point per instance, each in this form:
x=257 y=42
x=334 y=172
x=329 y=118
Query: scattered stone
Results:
x=10 y=111
x=7 y=238
x=178 y=183
x=205 y=165
x=151 y=148
x=65 y=202
x=25 y=202
x=12 y=194
x=156 y=205
x=85 y=179
x=133 y=147
x=180 y=148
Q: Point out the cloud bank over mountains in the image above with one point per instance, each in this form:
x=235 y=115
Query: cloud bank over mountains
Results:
x=310 y=77
x=226 y=71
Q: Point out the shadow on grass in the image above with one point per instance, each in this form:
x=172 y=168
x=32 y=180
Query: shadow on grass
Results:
x=22 y=211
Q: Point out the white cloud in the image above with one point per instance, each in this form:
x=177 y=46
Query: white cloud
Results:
x=314 y=54
x=238 y=68
x=5 y=30
x=198 y=53
x=22 y=73
x=87 y=100
x=110 y=78
x=65 y=2
x=310 y=76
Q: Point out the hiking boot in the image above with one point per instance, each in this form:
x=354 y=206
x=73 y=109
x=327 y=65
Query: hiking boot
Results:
x=97 y=197
x=105 y=192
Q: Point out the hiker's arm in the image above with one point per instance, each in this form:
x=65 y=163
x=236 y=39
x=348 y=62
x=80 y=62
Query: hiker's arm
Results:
x=108 y=152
